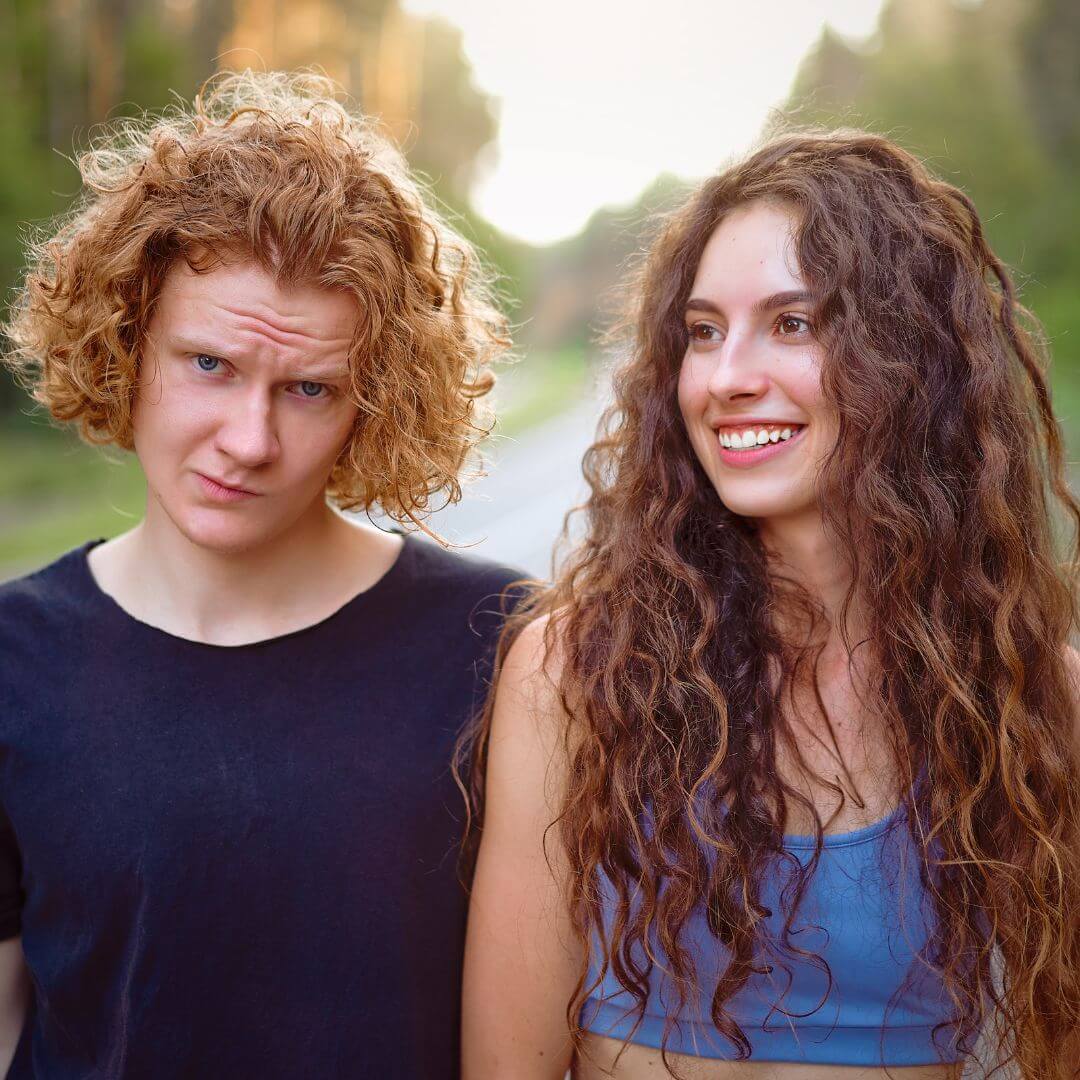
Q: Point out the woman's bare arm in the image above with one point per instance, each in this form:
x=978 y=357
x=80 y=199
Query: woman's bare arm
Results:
x=521 y=963
x=14 y=996
x=1071 y=1050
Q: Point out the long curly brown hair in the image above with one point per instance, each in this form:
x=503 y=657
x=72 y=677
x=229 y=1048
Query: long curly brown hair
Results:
x=946 y=492
x=274 y=167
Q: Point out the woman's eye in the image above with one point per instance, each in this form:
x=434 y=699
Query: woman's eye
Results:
x=312 y=389
x=207 y=363
x=703 y=332
x=788 y=325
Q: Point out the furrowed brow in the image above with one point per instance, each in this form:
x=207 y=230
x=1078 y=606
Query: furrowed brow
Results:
x=195 y=344
x=329 y=375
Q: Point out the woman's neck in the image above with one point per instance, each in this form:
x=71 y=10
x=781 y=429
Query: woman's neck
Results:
x=803 y=551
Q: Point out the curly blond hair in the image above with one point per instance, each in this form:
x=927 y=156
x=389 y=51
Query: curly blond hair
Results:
x=271 y=167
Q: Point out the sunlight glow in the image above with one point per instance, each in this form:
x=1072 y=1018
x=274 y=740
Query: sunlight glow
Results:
x=598 y=97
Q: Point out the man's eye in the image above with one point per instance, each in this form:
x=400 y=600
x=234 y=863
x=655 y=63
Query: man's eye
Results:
x=312 y=389
x=207 y=363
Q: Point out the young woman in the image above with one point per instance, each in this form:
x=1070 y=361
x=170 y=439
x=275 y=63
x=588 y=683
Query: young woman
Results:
x=781 y=776
x=228 y=825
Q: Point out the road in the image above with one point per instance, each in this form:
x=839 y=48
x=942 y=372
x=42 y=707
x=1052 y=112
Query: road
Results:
x=514 y=513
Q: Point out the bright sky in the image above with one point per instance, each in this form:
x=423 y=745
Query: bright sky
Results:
x=597 y=97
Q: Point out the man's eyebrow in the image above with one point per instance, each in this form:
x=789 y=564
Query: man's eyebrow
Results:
x=193 y=343
x=761 y=307
x=316 y=375
x=196 y=344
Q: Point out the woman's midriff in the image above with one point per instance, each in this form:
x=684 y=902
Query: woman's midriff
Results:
x=644 y=1063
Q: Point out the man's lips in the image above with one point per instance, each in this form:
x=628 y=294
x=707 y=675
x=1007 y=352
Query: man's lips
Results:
x=222 y=492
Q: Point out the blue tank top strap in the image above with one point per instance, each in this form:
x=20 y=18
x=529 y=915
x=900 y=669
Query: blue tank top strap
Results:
x=866 y=914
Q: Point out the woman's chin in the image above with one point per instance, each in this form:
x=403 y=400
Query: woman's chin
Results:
x=763 y=506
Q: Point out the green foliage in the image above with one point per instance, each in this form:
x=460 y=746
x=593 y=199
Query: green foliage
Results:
x=576 y=295
x=66 y=67
x=56 y=492
x=455 y=121
x=989 y=96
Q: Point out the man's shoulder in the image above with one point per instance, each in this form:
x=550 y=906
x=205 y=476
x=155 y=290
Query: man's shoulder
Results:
x=46 y=591
x=463 y=573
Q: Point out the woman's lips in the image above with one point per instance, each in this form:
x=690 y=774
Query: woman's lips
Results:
x=745 y=459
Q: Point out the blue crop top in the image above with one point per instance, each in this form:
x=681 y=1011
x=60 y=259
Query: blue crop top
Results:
x=867 y=895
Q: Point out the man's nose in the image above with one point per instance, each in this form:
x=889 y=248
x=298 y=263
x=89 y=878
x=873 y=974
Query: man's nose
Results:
x=248 y=433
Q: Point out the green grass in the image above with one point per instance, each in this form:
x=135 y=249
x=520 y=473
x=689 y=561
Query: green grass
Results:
x=538 y=388
x=56 y=492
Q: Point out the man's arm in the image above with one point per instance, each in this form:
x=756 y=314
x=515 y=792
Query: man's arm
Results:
x=14 y=996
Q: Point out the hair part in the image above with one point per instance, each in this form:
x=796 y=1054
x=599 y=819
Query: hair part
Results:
x=274 y=168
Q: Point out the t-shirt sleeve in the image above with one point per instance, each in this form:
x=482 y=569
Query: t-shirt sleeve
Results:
x=11 y=894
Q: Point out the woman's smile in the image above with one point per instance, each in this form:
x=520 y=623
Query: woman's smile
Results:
x=752 y=445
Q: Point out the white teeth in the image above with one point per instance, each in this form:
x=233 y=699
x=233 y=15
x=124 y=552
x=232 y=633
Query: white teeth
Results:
x=751 y=438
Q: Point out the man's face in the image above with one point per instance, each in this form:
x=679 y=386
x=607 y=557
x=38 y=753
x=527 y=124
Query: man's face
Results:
x=241 y=409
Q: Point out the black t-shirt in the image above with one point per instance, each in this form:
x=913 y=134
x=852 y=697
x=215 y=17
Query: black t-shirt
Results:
x=240 y=861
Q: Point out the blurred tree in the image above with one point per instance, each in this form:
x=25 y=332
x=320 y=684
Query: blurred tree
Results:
x=455 y=121
x=989 y=94
x=575 y=295
x=67 y=65
x=410 y=73
x=945 y=81
x=1050 y=56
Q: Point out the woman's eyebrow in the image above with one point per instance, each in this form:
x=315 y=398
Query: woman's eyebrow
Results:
x=765 y=304
x=782 y=299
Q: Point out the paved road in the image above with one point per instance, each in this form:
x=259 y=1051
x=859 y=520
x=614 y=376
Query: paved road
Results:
x=514 y=514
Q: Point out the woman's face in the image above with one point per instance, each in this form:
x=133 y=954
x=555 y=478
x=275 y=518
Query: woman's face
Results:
x=750 y=384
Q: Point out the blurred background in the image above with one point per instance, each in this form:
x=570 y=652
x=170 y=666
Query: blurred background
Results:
x=552 y=132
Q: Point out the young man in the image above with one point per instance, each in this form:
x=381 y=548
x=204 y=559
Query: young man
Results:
x=227 y=842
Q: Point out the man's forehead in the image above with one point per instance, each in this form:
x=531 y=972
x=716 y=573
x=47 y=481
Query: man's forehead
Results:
x=242 y=297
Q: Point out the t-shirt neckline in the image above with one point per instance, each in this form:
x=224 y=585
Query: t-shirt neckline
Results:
x=397 y=569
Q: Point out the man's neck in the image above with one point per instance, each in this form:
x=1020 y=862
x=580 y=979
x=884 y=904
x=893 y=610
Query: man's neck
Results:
x=297 y=579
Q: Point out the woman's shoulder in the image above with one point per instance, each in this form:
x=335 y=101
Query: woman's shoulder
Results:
x=532 y=701
x=1072 y=665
